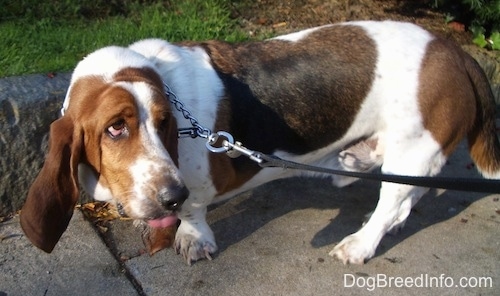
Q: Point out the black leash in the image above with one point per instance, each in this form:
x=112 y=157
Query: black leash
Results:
x=235 y=149
x=461 y=184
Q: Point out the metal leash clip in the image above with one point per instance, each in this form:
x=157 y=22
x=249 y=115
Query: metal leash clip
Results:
x=231 y=148
x=214 y=138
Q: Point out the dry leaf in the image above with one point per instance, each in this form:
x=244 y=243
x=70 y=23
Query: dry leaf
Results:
x=100 y=211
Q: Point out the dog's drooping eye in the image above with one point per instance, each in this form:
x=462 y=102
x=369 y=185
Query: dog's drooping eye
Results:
x=117 y=129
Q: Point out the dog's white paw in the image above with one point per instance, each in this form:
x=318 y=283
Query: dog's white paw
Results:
x=353 y=250
x=194 y=242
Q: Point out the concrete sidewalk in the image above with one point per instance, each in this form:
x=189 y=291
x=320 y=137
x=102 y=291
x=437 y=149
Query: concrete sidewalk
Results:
x=275 y=240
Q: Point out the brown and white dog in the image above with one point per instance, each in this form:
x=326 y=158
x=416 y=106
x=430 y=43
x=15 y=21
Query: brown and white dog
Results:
x=353 y=96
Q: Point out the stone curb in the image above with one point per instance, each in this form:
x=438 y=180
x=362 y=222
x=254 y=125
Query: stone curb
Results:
x=28 y=104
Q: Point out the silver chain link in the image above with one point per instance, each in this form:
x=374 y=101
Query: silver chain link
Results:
x=197 y=130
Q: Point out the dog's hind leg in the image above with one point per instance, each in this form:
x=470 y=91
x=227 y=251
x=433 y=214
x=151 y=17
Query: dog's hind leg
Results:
x=401 y=220
x=419 y=156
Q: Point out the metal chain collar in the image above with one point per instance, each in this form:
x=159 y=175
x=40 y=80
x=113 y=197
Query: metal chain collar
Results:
x=197 y=130
x=229 y=146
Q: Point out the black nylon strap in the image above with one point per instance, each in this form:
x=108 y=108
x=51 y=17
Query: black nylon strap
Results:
x=461 y=184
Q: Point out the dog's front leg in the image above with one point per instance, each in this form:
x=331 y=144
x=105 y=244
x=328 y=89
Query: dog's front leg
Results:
x=194 y=239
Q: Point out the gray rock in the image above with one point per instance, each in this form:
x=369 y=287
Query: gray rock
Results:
x=28 y=105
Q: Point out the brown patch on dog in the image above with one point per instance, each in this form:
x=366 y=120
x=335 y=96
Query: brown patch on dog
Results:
x=283 y=95
x=456 y=99
x=147 y=75
x=157 y=239
x=446 y=96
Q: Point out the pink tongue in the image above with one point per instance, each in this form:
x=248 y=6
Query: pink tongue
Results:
x=163 y=222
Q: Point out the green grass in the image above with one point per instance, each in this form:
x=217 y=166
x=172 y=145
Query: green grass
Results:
x=53 y=37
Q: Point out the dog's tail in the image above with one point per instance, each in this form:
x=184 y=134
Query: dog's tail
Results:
x=484 y=146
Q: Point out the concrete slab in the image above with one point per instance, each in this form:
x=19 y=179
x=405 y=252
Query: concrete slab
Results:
x=79 y=265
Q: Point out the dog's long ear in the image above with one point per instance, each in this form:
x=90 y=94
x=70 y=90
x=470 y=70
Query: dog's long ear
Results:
x=170 y=139
x=54 y=193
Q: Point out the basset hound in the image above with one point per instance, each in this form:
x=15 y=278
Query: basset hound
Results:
x=353 y=96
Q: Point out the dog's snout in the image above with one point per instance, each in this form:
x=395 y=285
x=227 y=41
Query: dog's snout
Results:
x=173 y=198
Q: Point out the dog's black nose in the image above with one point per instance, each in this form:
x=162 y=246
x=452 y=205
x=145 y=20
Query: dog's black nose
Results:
x=173 y=198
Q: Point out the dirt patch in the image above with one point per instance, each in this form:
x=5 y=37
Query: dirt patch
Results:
x=270 y=17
